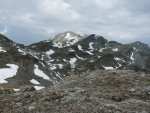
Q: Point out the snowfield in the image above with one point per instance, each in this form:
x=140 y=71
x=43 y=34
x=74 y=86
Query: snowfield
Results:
x=40 y=73
x=33 y=81
x=8 y=72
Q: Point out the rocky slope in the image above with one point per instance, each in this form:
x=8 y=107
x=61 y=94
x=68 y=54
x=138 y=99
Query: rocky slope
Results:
x=99 y=91
x=48 y=62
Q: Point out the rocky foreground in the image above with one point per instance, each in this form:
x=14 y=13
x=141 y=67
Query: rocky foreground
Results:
x=100 y=91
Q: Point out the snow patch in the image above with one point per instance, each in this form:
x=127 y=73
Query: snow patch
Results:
x=66 y=40
x=132 y=57
x=22 y=51
x=101 y=50
x=64 y=60
x=58 y=45
x=99 y=56
x=8 y=72
x=72 y=62
x=39 y=87
x=50 y=52
x=60 y=66
x=89 y=53
x=117 y=58
x=52 y=67
x=108 y=68
x=119 y=66
x=71 y=39
x=40 y=73
x=68 y=36
x=55 y=66
x=34 y=54
x=16 y=90
x=58 y=75
x=2 y=50
x=33 y=81
x=115 y=49
x=81 y=58
x=91 y=46
x=80 y=47
x=71 y=50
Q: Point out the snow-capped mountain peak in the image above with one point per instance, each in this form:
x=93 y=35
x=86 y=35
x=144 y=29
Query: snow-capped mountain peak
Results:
x=66 y=39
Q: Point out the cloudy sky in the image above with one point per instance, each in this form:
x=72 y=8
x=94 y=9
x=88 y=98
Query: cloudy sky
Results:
x=28 y=21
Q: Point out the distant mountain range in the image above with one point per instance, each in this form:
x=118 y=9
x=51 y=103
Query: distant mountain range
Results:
x=48 y=62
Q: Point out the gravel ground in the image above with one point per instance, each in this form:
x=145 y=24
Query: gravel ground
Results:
x=121 y=91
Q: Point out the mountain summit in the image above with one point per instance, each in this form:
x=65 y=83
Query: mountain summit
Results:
x=66 y=39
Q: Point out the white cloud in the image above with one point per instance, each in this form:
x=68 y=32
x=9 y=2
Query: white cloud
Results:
x=26 y=18
x=106 y=4
x=58 y=9
x=122 y=20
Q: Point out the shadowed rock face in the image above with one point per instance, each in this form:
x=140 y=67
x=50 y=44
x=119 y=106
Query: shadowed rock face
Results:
x=49 y=62
x=99 y=91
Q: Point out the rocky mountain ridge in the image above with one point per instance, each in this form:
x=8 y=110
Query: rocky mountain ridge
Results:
x=46 y=63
